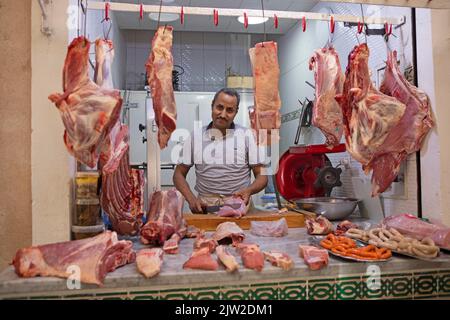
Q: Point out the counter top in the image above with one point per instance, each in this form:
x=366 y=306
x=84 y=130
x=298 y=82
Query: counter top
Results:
x=174 y=276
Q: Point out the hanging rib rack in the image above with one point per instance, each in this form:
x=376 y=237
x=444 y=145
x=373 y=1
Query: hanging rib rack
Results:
x=201 y=11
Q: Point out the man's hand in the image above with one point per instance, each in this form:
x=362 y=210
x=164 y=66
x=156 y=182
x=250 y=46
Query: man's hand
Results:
x=195 y=204
x=244 y=194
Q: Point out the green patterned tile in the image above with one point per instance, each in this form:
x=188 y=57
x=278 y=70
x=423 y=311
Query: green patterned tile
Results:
x=426 y=284
x=209 y=293
x=444 y=284
x=112 y=296
x=236 y=293
x=293 y=290
x=45 y=298
x=373 y=288
x=79 y=297
x=401 y=287
x=145 y=295
x=393 y=286
x=264 y=291
x=175 y=294
x=349 y=288
x=323 y=289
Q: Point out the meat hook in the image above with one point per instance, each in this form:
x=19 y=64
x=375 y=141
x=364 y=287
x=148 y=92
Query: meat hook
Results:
x=264 y=23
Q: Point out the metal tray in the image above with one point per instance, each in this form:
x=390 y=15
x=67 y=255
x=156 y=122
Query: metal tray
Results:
x=316 y=241
x=436 y=259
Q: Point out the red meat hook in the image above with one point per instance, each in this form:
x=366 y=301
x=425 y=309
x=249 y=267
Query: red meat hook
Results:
x=245 y=20
x=304 y=24
x=141 y=11
x=387 y=29
x=106 y=11
x=216 y=17
x=360 y=27
x=182 y=15
x=332 y=24
x=275 y=21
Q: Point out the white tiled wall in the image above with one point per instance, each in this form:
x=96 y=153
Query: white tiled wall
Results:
x=204 y=56
x=295 y=50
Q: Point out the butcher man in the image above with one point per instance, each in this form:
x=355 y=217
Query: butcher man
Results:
x=229 y=174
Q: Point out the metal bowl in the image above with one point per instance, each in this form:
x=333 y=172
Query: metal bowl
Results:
x=332 y=208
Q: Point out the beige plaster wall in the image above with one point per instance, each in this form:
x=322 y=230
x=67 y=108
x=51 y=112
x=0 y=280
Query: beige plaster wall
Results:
x=440 y=27
x=52 y=167
x=15 y=127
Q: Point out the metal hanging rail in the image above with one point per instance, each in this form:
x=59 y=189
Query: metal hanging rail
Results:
x=201 y=11
x=430 y=4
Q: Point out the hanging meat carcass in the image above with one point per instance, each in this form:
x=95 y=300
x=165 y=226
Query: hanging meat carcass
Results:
x=369 y=116
x=88 y=111
x=94 y=257
x=122 y=195
x=266 y=75
x=165 y=220
x=329 y=79
x=159 y=71
x=407 y=136
x=122 y=192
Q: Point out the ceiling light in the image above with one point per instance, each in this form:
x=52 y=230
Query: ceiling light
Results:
x=253 y=20
x=165 y=17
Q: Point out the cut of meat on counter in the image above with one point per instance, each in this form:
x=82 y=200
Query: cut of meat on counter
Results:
x=344 y=226
x=407 y=136
x=193 y=232
x=149 y=261
x=164 y=219
x=314 y=257
x=279 y=259
x=94 y=256
x=122 y=192
x=227 y=259
x=266 y=75
x=88 y=112
x=171 y=245
x=411 y=226
x=201 y=259
x=277 y=228
x=232 y=207
x=203 y=242
x=229 y=233
x=318 y=226
x=369 y=115
x=251 y=255
x=159 y=70
x=329 y=79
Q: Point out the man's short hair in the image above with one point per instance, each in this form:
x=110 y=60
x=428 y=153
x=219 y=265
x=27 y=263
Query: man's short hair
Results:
x=230 y=92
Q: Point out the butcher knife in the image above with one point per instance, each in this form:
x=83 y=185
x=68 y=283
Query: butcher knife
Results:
x=210 y=209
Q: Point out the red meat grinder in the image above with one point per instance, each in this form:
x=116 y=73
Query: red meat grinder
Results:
x=306 y=171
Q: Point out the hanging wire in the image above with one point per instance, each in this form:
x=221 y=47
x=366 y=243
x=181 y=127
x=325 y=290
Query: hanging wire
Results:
x=264 y=23
x=85 y=18
x=364 y=23
x=159 y=14
x=78 y=20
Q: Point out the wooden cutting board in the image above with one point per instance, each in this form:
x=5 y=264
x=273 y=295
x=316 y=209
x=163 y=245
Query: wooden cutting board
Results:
x=209 y=222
